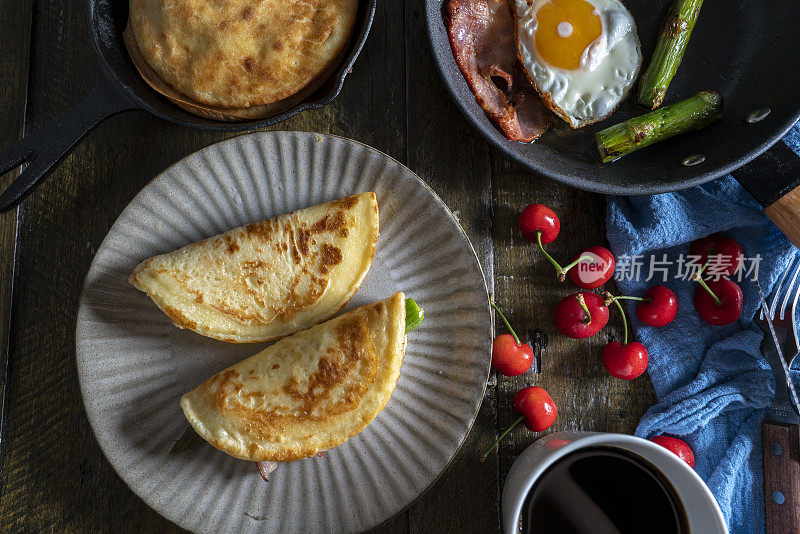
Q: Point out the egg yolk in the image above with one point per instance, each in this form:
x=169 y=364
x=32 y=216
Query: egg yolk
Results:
x=565 y=28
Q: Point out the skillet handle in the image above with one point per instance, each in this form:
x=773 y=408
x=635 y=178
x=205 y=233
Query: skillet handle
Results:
x=785 y=213
x=773 y=178
x=44 y=148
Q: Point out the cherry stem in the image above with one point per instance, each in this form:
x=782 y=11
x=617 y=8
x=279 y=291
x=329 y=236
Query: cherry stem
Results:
x=577 y=261
x=624 y=321
x=548 y=256
x=608 y=298
x=588 y=319
x=624 y=297
x=515 y=423
x=564 y=271
x=503 y=317
x=699 y=279
x=705 y=286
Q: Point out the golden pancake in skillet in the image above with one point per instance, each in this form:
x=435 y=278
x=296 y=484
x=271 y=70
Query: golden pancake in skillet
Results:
x=219 y=113
x=306 y=393
x=268 y=279
x=241 y=53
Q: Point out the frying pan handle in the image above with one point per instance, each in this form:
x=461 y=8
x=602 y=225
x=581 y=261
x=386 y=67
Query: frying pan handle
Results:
x=774 y=179
x=785 y=213
x=44 y=148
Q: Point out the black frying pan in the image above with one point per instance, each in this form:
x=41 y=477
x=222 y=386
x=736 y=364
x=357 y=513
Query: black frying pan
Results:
x=121 y=88
x=745 y=49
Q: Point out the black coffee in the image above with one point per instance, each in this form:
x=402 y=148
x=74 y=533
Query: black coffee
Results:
x=602 y=490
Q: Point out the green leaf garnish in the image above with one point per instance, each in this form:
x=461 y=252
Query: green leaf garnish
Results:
x=414 y=315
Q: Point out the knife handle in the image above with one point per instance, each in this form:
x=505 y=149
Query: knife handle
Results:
x=781 y=477
x=785 y=213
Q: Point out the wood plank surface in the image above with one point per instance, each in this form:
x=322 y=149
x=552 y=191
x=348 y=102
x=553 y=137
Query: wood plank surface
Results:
x=14 y=55
x=54 y=476
x=526 y=288
x=57 y=478
x=445 y=152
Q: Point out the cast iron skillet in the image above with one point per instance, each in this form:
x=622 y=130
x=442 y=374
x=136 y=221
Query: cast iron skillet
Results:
x=745 y=49
x=120 y=88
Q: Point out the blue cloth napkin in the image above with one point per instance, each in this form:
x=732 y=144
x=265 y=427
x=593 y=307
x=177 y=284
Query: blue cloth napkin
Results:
x=712 y=383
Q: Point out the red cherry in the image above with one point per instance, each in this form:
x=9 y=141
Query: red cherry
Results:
x=726 y=254
x=510 y=358
x=539 y=218
x=625 y=361
x=728 y=310
x=676 y=446
x=538 y=411
x=572 y=320
x=659 y=307
x=537 y=407
x=595 y=273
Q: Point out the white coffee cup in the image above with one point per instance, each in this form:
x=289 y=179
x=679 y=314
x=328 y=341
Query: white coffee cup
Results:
x=700 y=507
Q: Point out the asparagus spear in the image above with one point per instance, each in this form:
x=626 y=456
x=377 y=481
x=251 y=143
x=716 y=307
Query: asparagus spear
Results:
x=693 y=113
x=669 y=51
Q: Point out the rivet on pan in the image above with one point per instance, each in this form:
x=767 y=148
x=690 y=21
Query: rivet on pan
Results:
x=757 y=115
x=693 y=159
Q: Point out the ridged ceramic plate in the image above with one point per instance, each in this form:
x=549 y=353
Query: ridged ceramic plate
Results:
x=134 y=364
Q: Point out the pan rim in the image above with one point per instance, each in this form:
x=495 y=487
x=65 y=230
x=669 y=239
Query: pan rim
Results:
x=451 y=75
x=337 y=79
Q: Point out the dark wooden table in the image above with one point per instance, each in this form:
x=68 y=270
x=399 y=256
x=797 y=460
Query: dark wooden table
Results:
x=54 y=476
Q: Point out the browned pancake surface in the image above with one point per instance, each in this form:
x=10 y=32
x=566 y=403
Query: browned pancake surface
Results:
x=241 y=53
x=306 y=393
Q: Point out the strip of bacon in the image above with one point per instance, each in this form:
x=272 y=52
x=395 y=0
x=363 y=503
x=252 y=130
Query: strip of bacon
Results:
x=482 y=38
x=265 y=468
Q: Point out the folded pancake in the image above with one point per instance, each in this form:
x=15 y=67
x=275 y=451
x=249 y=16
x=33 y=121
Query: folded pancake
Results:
x=268 y=279
x=306 y=393
x=240 y=53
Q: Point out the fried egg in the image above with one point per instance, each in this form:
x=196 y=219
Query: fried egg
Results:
x=581 y=55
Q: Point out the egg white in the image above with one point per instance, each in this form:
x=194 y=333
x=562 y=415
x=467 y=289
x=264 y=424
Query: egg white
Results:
x=608 y=70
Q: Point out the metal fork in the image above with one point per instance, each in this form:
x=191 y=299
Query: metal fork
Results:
x=780 y=431
x=785 y=323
